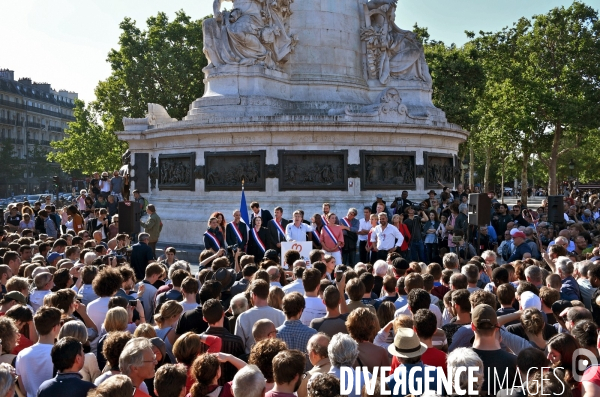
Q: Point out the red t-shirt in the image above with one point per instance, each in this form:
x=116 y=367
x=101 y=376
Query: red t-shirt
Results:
x=592 y=375
x=278 y=394
x=140 y=393
x=432 y=356
x=22 y=343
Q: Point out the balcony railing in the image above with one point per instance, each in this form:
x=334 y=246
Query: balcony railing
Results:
x=7 y=121
x=34 y=109
x=55 y=129
x=32 y=124
x=45 y=143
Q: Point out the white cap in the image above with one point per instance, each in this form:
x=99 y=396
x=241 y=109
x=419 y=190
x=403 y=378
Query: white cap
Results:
x=530 y=300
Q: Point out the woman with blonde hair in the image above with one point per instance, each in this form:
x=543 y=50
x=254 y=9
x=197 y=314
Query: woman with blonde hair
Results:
x=145 y=330
x=9 y=334
x=115 y=321
x=77 y=330
x=167 y=319
x=115 y=386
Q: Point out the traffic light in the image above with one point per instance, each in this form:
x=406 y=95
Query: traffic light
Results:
x=56 y=181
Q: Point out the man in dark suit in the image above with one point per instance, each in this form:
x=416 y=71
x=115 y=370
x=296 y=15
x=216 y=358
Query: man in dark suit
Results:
x=277 y=230
x=236 y=230
x=141 y=256
x=257 y=211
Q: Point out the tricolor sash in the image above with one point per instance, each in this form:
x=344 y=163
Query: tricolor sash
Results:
x=346 y=222
x=213 y=238
x=324 y=219
x=281 y=231
x=330 y=233
x=237 y=232
x=316 y=236
x=258 y=240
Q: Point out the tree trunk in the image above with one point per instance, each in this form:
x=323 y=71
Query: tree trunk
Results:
x=502 y=185
x=553 y=160
x=524 y=182
x=488 y=164
x=462 y=171
x=471 y=168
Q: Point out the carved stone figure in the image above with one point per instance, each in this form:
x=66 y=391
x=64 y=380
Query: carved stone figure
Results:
x=310 y=170
x=125 y=173
x=391 y=51
x=226 y=171
x=157 y=114
x=439 y=169
x=254 y=32
x=153 y=172
x=388 y=169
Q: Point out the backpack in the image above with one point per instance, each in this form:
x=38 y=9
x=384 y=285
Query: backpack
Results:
x=145 y=205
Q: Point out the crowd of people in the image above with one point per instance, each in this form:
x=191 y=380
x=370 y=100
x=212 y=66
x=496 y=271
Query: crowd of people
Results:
x=409 y=285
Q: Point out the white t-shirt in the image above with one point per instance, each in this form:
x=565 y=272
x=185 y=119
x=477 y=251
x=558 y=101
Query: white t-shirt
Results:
x=188 y=306
x=34 y=366
x=434 y=308
x=315 y=308
x=97 y=310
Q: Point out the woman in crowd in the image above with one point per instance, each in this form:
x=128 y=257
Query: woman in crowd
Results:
x=9 y=333
x=221 y=221
x=398 y=221
x=561 y=353
x=432 y=231
x=275 y=297
x=189 y=346
x=166 y=321
x=262 y=354
x=115 y=321
x=113 y=346
x=533 y=324
x=26 y=223
x=206 y=371
x=385 y=313
x=257 y=240
x=75 y=218
x=160 y=351
x=362 y=326
x=77 y=330
x=23 y=319
x=8 y=381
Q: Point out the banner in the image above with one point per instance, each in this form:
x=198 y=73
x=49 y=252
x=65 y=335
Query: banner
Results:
x=304 y=247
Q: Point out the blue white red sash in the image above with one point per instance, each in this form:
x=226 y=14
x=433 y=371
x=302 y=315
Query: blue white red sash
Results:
x=316 y=236
x=324 y=219
x=258 y=240
x=281 y=231
x=346 y=222
x=213 y=238
x=330 y=233
x=237 y=232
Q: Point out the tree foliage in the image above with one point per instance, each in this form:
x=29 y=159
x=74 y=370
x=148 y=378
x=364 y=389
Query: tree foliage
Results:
x=162 y=64
x=87 y=146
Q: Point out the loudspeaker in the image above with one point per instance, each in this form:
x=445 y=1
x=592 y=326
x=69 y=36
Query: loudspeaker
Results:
x=556 y=209
x=129 y=217
x=480 y=209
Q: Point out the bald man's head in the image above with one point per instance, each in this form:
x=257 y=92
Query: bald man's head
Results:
x=317 y=345
x=264 y=329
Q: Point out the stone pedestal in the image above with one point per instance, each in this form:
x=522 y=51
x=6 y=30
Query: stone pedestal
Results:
x=319 y=124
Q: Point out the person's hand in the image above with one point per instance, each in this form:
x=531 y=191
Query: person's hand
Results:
x=75 y=271
x=388 y=326
x=141 y=289
x=223 y=357
x=238 y=252
x=221 y=252
x=81 y=309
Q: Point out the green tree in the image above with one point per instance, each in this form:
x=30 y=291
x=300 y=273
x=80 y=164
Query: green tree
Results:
x=9 y=161
x=162 y=65
x=87 y=146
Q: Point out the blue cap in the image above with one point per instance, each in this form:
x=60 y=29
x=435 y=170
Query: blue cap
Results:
x=53 y=256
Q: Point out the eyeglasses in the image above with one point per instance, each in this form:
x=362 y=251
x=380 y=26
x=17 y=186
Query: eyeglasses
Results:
x=151 y=361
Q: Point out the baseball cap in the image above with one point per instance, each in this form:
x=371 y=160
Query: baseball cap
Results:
x=530 y=300
x=379 y=196
x=42 y=279
x=484 y=317
x=560 y=305
x=16 y=296
x=272 y=255
x=400 y=264
x=519 y=234
x=53 y=256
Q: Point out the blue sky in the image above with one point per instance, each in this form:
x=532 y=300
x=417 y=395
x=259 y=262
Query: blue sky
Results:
x=65 y=42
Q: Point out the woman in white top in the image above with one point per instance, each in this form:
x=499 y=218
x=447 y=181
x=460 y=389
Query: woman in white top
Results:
x=167 y=318
x=26 y=223
x=77 y=330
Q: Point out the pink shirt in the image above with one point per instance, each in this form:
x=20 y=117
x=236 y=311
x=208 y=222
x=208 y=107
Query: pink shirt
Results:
x=327 y=242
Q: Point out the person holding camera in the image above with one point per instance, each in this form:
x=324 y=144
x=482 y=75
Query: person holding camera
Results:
x=401 y=203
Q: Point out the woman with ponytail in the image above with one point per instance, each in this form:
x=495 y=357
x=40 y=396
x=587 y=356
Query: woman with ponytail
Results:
x=166 y=319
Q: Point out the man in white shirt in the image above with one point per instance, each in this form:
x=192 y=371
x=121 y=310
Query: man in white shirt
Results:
x=419 y=299
x=314 y=306
x=297 y=230
x=261 y=310
x=106 y=285
x=364 y=228
x=387 y=237
x=296 y=285
x=34 y=364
